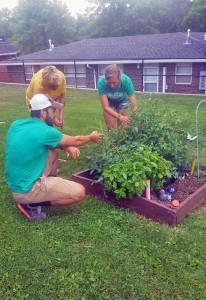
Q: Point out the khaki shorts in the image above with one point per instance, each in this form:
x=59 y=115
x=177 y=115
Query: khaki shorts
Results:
x=49 y=188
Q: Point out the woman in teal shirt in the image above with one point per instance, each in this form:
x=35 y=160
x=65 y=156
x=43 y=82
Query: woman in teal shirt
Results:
x=116 y=91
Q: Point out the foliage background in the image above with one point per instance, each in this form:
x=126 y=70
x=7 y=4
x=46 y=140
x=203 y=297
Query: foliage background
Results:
x=32 y=23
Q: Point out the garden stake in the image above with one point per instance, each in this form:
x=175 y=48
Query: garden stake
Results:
x=148 y=195
x=193 y=167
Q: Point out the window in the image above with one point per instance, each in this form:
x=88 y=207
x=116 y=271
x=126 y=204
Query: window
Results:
x=29 y=72
x=101 y=69
x=69 y=72
x=183 y=74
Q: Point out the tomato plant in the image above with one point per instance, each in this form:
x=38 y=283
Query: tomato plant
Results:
x=153 y=146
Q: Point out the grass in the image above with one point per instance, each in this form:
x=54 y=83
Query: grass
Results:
x=93 y=250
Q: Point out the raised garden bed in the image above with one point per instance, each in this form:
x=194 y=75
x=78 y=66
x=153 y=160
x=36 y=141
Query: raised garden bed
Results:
x=152 y=209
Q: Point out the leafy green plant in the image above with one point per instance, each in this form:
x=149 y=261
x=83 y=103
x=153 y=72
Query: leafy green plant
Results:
x=163 y=130
x=128 y=177
x=100 y=156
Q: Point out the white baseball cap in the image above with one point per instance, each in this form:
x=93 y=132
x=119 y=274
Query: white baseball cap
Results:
x=41 y=101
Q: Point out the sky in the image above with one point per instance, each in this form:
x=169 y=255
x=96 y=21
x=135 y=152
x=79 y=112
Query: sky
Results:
x=75 y=6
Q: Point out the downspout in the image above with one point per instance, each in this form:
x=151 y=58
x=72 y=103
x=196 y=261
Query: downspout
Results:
x=94 y=74
x=164 y=80
x=75 y=73
x=24 y=71
x=143 y=75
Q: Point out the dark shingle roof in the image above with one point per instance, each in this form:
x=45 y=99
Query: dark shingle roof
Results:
x=7 y=48
x=150 y=46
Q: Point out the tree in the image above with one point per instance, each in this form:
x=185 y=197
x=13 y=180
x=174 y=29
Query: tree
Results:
x=131 y=17
x=81 y=25
x=196 y=17
x=120 y=17
x=5 y=23
x=171 y=14
x=38 y=21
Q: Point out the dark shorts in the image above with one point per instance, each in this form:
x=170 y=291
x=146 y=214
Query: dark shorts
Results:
x=120 y=105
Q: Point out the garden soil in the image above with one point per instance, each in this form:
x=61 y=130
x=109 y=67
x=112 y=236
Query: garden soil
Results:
x=184 y=188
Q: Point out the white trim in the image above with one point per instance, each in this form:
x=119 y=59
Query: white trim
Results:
x=5 y=54
x=178 y=60
x=99 y=62
x=94 y=74
x=82 y=62
x=164 y=81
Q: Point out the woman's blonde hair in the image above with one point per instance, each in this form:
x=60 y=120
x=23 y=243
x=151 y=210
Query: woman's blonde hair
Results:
x=112 y=71
x=50 y=77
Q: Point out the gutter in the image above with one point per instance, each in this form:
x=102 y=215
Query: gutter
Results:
x=12 y=53
x=14 y=62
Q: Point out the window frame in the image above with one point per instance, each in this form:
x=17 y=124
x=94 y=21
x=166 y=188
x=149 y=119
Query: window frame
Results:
x=71 y=74
x=186 y=75
x=29 y=73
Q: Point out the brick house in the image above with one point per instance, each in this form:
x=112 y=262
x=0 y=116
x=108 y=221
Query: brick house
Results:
x=164 y=63
x=7 y=51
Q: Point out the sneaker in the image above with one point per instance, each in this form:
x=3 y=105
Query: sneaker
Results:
x=33 y=213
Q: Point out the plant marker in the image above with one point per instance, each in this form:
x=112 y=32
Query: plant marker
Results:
x=193 y=167
x=175 y=204
x=148 y=195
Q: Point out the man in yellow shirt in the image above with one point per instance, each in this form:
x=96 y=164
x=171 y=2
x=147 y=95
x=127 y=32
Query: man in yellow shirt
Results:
x=52 y=82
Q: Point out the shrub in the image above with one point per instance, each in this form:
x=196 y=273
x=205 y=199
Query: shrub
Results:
x=164 y=132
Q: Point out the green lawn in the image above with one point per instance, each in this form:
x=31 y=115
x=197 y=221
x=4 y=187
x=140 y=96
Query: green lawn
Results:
x=93 y=251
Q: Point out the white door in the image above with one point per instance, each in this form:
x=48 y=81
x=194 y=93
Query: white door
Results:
x=150 y=79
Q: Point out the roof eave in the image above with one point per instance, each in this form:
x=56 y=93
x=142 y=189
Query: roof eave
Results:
x=99 y=62
x=11 y=53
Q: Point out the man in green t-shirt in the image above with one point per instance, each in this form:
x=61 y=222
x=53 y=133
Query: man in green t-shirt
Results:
x=32 y=156
x=116 y=91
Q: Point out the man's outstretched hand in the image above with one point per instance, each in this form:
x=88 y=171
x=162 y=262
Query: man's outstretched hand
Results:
x=96 y=137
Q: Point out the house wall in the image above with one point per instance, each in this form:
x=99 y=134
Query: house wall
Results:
x=38 y=67
x=192 y=88
x=136 y=74
x=4 y=74
x=134 y=71
x=15 y=74
x=196 y=68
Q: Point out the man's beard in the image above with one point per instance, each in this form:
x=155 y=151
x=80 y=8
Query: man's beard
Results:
x=48 y=121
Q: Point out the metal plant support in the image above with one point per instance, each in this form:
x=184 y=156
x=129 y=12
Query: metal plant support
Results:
x=198 y=163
